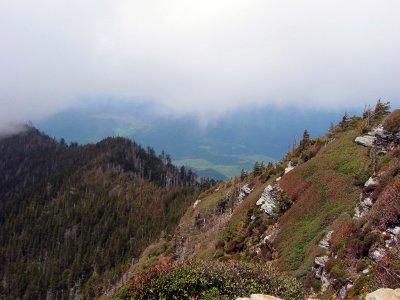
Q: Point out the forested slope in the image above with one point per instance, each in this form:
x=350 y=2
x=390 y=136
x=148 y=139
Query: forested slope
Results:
x=73 y=217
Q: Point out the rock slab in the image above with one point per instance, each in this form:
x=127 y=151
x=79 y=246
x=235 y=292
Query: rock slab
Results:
x=384 y=294
x=366 y=140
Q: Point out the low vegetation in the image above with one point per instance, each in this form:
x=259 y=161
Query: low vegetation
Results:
x=199 y=280
x=392 y=122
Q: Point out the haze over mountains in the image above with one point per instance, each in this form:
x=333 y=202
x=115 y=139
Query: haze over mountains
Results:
x=116 y=117
x=198 y=59
x=218 y=149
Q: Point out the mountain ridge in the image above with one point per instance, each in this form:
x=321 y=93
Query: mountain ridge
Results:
x=299 y=216
x=73 y=216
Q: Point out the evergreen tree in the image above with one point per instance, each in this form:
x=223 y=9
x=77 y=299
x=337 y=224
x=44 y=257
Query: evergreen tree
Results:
x=258 y=168
x=382 y=108
x=345 y=121
x=305 y=140
x=243 y=175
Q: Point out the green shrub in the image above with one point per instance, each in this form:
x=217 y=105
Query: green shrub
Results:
x=338 y=272
x=211 y=294
x=212 y=281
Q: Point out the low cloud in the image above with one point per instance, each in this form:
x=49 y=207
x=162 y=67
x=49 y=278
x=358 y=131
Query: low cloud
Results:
x=199 y=57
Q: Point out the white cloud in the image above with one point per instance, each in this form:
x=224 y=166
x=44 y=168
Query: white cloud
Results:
x=203 y=57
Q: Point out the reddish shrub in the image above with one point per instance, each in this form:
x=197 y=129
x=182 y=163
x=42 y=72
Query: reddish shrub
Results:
x=294 y=184
x=386 y=210
x=392 y=122
x=342 y=233
x=387 y=270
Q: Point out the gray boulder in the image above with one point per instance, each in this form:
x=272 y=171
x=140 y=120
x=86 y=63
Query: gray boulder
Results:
x=384 y=294
x=366 y=140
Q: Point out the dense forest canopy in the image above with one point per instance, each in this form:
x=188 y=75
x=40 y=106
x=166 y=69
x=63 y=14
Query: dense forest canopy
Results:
x=72 y=217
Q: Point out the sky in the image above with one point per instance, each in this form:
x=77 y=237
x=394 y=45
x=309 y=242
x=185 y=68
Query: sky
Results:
x=201 y=58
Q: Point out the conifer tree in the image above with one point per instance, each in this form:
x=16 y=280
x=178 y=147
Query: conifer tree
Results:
x=345 y=121
x=382 y=108
x=305 y=141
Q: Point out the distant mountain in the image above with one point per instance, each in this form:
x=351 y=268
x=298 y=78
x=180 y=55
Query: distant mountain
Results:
x=73 y=217
x=219 y=149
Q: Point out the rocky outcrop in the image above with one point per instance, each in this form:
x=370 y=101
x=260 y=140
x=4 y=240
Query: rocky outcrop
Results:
x=273 y=234
x=380 y=138
x=379 y=132
x=196 y=203
x=320 y=262
x=371 y=181
x=366 y=140
x=321 y=273
x=324 y=243
x=344 y=290
x=384 y=294
x=377 y=254
x=244 y=192
x=289 y=167
x=267 y=201
x=391 y=235
x=365 y=203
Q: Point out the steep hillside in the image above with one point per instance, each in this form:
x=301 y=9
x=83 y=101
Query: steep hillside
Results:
x=327 y=214
x=73 y=217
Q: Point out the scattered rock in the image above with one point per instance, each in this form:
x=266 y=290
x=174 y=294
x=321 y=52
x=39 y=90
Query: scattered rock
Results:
x=384 y=294
x=357 y=213
x=321 y=273
x=324 y=243
x=379 y=137
x=321 y=260
x=273 y=235
x=259 y=297
x=344 y=289
x=325 y=281
x=366 y=140
x=395 y=230
x=318 y=272
x=371 y=181
x=244 y=192
x=378 y=254
x=366 y=203
x=365 y=271
x=289 y=167
x=393 y=233
x=378 y=132
x=196 y=203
